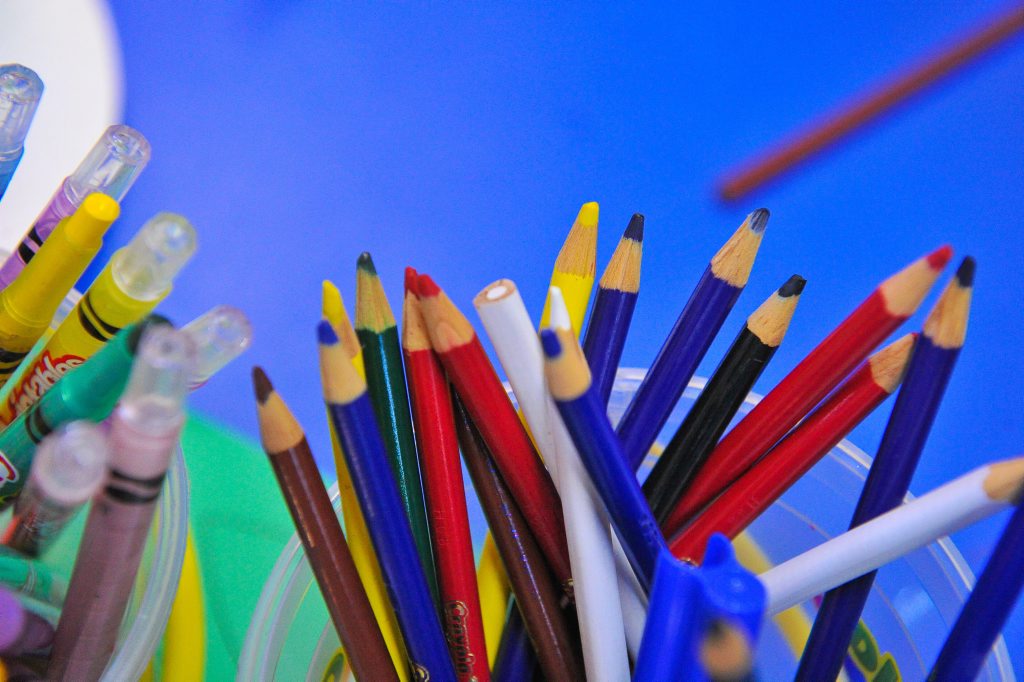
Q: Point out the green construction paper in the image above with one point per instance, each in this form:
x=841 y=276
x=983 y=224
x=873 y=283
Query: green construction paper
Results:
x=239 y=524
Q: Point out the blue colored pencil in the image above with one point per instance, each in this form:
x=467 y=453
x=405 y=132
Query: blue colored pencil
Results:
x=927 y=376
x=584 y=415
x=516 y=659
x=613 y=308
x=690 y=338
x=987 y=609
x=353 y=418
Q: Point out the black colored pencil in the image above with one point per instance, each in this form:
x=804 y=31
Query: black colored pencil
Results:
x=721 y=398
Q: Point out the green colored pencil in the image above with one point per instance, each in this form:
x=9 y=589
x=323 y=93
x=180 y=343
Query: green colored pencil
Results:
x=385 y=379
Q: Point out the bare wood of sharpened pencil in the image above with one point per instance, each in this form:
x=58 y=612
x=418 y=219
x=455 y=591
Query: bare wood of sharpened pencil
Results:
x=285 y=444
x=774 y=163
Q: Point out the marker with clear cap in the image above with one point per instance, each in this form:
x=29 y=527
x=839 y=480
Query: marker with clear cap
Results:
x=136 y=279
x=88 y=393
x=20 y=90
x=220 y=334
x=144 y=430
x=28 y=304
x=110 y=168
x=69 y=467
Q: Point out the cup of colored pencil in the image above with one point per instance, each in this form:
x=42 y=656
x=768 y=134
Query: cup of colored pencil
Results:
x=637 y=524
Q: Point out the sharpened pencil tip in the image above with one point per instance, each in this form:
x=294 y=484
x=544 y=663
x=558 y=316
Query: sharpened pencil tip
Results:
x=410 y=281
x=587 y=217
x=425 y=286
x=759 y=220
x=365 y=263
x=794 y=286
x=965 y=273
x=635 y=229
x=938 y=258
x=550 y=342
x=325 y=333
x=261 y=384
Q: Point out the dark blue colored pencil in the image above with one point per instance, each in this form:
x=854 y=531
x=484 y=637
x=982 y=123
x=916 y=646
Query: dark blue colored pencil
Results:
x=516 y=659
x=584 y=414
x=353 y=418
x=987 y=609
x=690 y=338
x=613 y=308
x=927 y=376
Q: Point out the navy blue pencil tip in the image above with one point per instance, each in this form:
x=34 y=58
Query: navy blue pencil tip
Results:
x=759 y=220
x=965 y=273
x=325 y=333
x=549 y=341
x=794 y=286
x=635 y=229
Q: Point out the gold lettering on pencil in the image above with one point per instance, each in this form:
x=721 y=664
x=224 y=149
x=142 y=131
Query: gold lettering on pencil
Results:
x=455 y=614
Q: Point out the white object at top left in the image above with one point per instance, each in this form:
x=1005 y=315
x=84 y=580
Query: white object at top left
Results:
x=74 y=47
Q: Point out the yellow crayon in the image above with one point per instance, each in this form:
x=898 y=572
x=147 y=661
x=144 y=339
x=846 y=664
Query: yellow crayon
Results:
x=28 y=304
x=136 y=279
x=356 y=532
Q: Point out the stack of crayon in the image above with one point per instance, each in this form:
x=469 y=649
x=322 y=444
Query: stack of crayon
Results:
x=589 y=572
x=93 y=398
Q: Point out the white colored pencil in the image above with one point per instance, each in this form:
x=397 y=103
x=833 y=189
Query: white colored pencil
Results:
x=945 y=510
x=515 y=341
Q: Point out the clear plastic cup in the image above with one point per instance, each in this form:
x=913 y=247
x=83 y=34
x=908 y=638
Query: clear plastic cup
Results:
x=908 y=615
x=157 y=580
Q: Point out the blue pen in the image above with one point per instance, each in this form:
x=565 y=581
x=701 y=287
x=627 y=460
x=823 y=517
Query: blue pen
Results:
x=20 y=90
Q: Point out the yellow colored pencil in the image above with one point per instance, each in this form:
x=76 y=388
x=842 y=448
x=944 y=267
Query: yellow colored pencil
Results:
x=573 y=273
x=356 y=533
x=575 y=266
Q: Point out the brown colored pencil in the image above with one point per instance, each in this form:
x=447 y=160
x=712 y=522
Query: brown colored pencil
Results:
x=537 y=596
x=318 y=527
x=867 y=107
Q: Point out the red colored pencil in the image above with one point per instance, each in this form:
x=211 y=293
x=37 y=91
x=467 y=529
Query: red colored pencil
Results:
x=766 y=481
x=879 y=315
x=445 y=492
x=464 y=359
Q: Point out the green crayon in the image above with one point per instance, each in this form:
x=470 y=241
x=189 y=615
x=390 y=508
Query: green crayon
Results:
x=89 y=392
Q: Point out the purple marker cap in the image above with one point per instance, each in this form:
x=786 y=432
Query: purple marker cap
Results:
x=21 y=631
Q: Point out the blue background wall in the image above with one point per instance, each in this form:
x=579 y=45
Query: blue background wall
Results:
x=462 y=140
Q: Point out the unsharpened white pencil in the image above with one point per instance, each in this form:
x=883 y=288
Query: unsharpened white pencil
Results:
x=515 y=341
x=945 y=510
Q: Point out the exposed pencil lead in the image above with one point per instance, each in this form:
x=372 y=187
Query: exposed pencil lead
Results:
x=261 y=384
x=426 y=286
x=794 y=286
x=965 y=273
x=325 y=333
x=759 y=220
x=635 y=229
x=410 y=281
x=365 y=262
x=938 y=258
x=587 y=217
